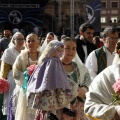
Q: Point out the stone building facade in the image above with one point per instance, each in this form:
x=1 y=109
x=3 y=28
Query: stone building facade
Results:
x=57 y=15
x=110 y=13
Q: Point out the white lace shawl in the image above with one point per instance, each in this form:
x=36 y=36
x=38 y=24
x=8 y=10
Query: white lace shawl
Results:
x=84 y=78
x=45 y=43
x=9 y=55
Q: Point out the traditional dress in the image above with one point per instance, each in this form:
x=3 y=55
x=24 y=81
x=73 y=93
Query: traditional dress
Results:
x=99 y=97
x=82 y=78
x=8 y=57
x=98 y=60
x=48 y=87
x=18 y=103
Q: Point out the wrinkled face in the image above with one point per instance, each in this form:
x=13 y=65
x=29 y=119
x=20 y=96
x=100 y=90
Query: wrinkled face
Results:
x=69 y=50
x=111 y=40
x=19 y=40
x=7 y=33
x=88 y=34
x=49 y=38
x=58 y=52
x=32 y=43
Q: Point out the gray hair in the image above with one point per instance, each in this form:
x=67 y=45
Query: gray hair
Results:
x=108 y=30
x=11 y=44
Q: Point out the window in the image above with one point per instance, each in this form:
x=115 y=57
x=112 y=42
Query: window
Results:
x=104 y=4
x=114 y=19
x=103 y=19
x=114 y=4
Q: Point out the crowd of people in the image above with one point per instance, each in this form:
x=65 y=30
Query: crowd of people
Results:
x=69 y=78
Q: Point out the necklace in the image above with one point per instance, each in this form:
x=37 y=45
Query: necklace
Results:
x=67 y=64
x=29 y=59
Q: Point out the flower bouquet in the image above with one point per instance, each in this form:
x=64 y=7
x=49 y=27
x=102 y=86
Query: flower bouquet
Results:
x=27 y=75
x=30 y=69
x=4 y=85
x=116 y=96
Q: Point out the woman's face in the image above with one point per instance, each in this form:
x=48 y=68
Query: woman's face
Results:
x=32 y=43
x=58 y=52
x=69 y=50
x=19 y=41
x=49 y=38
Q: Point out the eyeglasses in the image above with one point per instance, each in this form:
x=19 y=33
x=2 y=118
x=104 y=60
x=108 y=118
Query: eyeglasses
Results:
x=113 y=39
x=20 y=39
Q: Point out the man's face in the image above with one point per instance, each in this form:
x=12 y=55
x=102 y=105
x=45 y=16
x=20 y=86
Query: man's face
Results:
x=7 y=33
x=111 y=40
x=88 y=34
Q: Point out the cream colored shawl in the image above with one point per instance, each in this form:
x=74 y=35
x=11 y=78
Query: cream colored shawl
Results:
x=100 y=93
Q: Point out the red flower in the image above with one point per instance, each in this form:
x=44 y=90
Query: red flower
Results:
x=116 y=86
x=4 y=85
x=31 y=68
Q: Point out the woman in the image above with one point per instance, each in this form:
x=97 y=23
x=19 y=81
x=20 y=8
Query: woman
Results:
x=77 y=72
x=49 y=37
x=26 y=58
x=99 y=103
x=49 y=78
x=7 y=60
x=97 y=42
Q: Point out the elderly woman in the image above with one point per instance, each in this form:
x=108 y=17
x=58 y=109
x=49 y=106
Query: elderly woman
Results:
x=26 y=58
x=8 y=58
x=77 y=72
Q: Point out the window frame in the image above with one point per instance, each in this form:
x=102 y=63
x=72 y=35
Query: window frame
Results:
x=102 y=19
x=114 y=2
x=104 y=2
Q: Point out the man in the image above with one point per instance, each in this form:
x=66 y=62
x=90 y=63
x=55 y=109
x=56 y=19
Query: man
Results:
x=100 y=58
x=84 y=41
x=99 y=99
x=5 y=40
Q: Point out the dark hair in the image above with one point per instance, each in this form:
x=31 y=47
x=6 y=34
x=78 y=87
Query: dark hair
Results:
x=51 y=33
x=85 y=26
x=96 y=39
x=107 y=30
x=68 y=39
x=8 y=28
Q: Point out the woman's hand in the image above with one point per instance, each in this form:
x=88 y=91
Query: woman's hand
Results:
x=81 y=93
